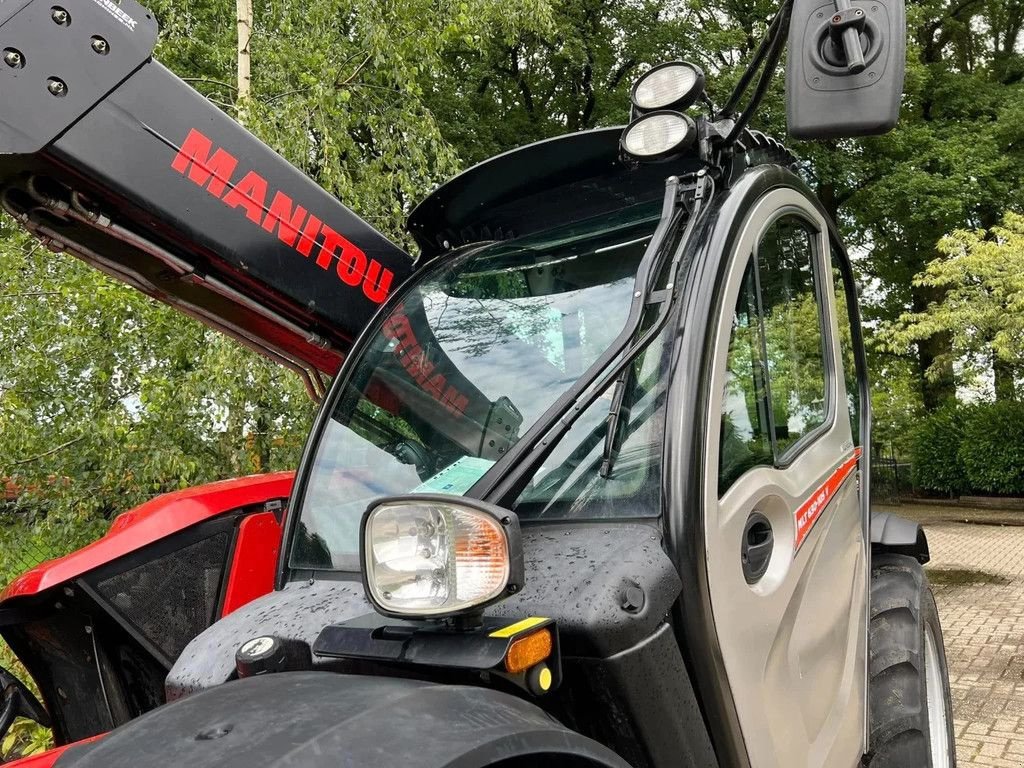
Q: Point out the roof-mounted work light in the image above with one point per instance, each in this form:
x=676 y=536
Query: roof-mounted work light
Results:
x=675 y=85
x=658 y=136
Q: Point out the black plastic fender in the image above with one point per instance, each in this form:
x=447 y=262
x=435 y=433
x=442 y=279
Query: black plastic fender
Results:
x=326 y=720
x=898 y=536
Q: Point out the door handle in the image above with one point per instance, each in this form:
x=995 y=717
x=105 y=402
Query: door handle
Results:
x=756 y=547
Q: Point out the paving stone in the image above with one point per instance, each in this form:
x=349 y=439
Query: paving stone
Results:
x=978 y=580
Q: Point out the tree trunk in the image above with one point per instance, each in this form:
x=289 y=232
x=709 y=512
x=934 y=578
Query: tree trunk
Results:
x=243 y=9
x=1003 y=378
x=938 y=386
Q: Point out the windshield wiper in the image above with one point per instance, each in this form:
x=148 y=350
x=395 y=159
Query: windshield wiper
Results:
x=618 y=417
x=506 y=479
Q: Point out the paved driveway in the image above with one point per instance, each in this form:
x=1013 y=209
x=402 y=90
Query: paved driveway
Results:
x=977 y=573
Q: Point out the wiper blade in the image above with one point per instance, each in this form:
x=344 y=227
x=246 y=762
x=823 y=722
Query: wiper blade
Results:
x=506 y=479
x=618 y=417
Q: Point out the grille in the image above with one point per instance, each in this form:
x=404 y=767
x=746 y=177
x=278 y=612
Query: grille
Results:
x=172 y=598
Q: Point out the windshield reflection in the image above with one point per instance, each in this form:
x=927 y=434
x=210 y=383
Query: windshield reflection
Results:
x=469 y=360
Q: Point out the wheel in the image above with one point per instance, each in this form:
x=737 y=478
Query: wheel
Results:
x=910 y=709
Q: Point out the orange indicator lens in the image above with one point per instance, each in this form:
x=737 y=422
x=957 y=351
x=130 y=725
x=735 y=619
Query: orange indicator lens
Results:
x=528 y=650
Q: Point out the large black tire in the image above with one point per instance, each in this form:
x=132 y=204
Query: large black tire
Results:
x=902 y=611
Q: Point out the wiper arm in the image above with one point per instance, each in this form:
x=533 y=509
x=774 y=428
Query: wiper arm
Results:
x=505 y=480
x=618 y=417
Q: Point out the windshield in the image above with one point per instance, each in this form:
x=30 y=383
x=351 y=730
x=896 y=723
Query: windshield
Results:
x=464 y=366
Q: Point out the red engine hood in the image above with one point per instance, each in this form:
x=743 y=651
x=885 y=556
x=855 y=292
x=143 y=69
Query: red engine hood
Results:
x=149 y=522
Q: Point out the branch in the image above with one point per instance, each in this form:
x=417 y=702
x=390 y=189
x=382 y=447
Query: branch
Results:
x=50 y=452
x=209 y=82
x=355 y=72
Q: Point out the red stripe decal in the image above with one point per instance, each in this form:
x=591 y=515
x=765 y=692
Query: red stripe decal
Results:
x=809 y=512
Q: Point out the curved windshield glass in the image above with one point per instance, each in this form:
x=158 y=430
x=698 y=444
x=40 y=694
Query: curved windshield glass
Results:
x=461 y=369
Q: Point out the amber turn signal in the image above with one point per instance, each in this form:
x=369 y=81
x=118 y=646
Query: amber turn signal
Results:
x=528 y=650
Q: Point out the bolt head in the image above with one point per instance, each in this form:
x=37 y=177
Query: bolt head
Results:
x=59 y=16
x=12 y=59
x=100 y=45
x=57 y=87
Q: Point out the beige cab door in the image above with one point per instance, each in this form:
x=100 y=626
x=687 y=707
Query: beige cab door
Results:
x=785 y=532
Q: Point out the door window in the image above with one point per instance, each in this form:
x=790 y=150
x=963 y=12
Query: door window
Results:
x=776 y=376
x=846 y=295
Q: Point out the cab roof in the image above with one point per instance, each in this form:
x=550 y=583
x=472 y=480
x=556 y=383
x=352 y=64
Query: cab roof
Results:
x=536 y=187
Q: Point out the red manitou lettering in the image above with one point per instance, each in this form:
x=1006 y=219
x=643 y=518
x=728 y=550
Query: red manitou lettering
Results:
x=194 y=156
x=377 y=282
x=296 y=227
x=288 y=223
x=250 y=193
x=398 y=327
x=309 y=233
x=351 y=259
x=352 y=265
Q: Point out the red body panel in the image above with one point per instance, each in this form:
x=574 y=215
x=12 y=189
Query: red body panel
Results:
x=152 y=521
x=48 y=758
x=254 y=562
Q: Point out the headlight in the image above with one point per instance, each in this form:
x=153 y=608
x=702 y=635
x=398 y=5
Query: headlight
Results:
x=658 y=135
x=675 y=85
x=431 y=556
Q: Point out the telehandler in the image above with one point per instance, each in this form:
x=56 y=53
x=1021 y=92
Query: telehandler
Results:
x=587 y=487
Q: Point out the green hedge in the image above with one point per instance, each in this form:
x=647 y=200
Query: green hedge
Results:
x=992 y=451
x=971 y=449
x=935 y=451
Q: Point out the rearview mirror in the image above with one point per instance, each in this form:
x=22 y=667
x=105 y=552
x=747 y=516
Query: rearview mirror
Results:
x=17 y=701
x=844 y=74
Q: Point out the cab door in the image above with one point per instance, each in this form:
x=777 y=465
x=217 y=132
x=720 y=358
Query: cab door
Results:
x=785 y=545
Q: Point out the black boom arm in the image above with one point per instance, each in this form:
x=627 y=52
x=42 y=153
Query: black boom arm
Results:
x=107 y=155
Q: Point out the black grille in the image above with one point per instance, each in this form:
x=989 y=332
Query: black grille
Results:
x=172 y=598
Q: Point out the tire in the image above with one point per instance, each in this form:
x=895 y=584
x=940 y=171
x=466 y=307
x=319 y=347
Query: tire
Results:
x=910 y=709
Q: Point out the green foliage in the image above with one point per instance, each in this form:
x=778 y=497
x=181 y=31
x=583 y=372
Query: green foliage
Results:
x=935 y=451
x=992 y=450
x=896 y=407
x=977 y=448
x=981 y=277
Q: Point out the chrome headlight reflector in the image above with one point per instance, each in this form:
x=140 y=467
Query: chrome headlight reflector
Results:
x=432 y=556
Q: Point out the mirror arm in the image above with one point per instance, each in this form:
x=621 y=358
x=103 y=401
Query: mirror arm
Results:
x=748 y=75
x=776 y=40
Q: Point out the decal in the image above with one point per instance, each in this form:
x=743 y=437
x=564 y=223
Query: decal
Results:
x=414 y=360
x=519 y=626
x=297 y=228
x=809 y=512
x=111 y=7
x=457 y=478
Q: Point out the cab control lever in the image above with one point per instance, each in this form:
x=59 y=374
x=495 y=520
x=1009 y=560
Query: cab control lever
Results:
x=844 y=30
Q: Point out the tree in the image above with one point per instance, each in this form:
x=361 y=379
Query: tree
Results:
x=980 y=276
x=107 y=398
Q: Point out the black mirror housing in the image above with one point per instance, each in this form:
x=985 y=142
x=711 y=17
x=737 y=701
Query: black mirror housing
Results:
x=824 y=98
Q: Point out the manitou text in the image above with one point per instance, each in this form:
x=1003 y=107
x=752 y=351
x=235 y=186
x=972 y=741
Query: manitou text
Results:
x=296 y=227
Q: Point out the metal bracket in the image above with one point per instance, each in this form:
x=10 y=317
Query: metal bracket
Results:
x=57 y=61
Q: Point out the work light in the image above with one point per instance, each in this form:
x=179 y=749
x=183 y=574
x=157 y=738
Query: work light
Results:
x=675 y=85
x=433 y=556
x=658 y=135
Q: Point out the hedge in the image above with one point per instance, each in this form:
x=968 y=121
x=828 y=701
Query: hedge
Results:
x=992 y=450
x=935 y=451
x=971 y=449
